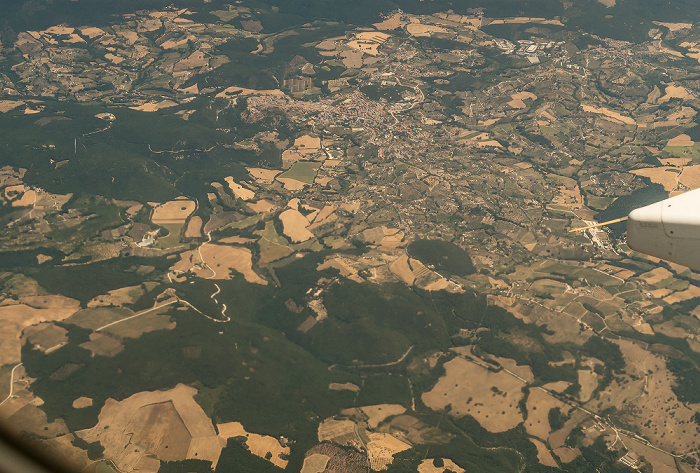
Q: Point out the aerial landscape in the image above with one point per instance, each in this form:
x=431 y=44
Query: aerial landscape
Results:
x=322 y=236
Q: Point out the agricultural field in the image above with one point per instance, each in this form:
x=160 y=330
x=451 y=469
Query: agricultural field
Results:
x=261 y=236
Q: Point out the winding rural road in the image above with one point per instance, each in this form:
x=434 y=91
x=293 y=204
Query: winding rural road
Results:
x=12 y=378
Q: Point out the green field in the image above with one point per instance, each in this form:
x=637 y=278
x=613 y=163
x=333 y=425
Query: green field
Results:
x=303 y=171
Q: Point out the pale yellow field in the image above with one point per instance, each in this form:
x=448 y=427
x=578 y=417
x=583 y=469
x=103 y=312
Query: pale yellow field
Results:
x=154 y=107
x=656 y=275
x=238 y=190
x=665 y=175
x=332 y=428
x=82 y=402
x=391 y=23
x=46 y=336
x=353 y=59
x=402 y=270
x=674 y=26
x=377 y=414
x=91 y=32
x=259 y=445
x=169 y=425
x=290 y=157
x=292 y=184
x=653 y=406
x=366 y=47
x=237 y=240
x=609 y=114
x=690 y=177
x=261 y=206
x=372 y=36
x=27 y=199
x=673 y=91
x=315 y=463
x=467 y=388
x=589 y=382
x=7 y=105
x=675 y=162
x=680 y=140
x=29 y=311
x=524 y=371
x=118 y=297
x=170 y=44
x=307 y=142
x=343 y=387
x=194 y=228
x=341 y=265
x=427 y=466
x=518 y=99
x=325 y=215
x=680 y=296
x=219 y=261
x=240 y=91
x=538 y=405
x=418 y=29
x=521 y=19
x=174 y=211
x=543 y=454
x=294 y=226
x=64 y=446
x=381 y=449
x=263 y=175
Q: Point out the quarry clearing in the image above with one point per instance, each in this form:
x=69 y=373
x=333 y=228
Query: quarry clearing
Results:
x=168 y=425
x=491 y=398
x=15 y=316
x=262 y=446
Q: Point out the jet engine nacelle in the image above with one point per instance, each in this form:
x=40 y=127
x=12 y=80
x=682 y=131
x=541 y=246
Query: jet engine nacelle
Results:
x=669 y=229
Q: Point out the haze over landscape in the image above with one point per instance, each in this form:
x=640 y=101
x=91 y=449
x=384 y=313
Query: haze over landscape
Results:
x=323 y=236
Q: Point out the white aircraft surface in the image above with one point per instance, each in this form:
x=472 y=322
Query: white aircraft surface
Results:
x=669 y=229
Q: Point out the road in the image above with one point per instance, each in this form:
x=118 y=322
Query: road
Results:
x=138 y=314
x=605 y=421
x=12 y=383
